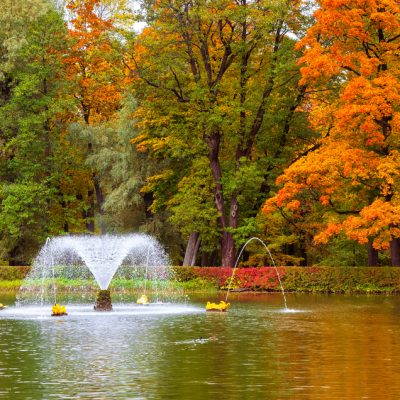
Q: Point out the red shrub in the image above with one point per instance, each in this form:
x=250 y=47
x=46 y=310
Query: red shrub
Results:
x=262 y=278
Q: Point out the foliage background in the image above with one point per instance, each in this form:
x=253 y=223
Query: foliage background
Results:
x=217 y=122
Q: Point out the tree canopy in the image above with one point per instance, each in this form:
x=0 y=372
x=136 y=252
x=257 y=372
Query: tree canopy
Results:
x=216 y=122
x=353 y=171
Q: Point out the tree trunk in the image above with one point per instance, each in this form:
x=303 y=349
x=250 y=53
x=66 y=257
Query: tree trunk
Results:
x=210 y=259
x=192 y=249
x=205 y=259
x=15 y=257
x=64 y=207
x=373 y=260
x=227 y=244
x=100 y=200
x=90 y=212
x=303 y=253
x=395 y=252
x=148 y=199
x=228 y=250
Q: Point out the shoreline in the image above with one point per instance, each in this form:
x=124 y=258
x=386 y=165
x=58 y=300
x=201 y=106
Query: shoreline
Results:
x=332 y=280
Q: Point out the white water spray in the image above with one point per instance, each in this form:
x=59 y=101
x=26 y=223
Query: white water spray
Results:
x=72 y=257
x=273 y=263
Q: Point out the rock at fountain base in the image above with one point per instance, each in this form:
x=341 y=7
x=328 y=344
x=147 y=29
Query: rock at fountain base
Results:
x=103 y=301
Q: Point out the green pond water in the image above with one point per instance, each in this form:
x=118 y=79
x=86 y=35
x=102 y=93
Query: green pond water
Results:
x=328 y=347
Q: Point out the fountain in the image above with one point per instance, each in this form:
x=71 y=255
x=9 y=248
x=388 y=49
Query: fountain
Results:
x=79 y=257
x=273 y=263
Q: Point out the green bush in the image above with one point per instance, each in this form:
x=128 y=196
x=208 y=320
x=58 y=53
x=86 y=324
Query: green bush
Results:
x=10 y=273
x=184 y=274
x=197 y=284
x=10 y=286
x=342 y=279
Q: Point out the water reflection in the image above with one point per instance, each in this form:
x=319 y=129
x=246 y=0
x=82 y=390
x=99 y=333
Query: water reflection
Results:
x=332 y=347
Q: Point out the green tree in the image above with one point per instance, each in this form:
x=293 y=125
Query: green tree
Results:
x=218 y=81
x=16 y=18
x=28 y=174
x=122 y=172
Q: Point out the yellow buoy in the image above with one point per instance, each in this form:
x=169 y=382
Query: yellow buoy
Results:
x=142 y=299
x=222 y=306
x=58 y=310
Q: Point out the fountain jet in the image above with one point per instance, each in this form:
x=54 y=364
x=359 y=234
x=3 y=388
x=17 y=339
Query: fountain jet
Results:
x=273 y=263
x=64 y=256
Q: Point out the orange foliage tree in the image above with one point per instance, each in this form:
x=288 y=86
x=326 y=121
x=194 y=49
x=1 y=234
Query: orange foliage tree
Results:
x=94 y=69
x=352 y=176
x=92 y=61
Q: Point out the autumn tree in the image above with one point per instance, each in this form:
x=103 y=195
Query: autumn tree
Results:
x=94 y=69
x=352 y=174
x=216 y=81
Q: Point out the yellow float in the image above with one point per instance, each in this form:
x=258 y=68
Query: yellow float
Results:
x=58 y=311
x=221 y=307
x=142 y=300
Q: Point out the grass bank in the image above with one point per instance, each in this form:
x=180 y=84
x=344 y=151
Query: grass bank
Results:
x=207 y=279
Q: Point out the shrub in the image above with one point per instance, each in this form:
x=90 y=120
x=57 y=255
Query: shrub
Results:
x=218 y=275
x=10 y=273
x=299 y=279
x=184 y=274
x=303 y=279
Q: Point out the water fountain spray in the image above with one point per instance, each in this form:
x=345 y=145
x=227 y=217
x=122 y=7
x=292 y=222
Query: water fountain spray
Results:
x=273 y=263
x=73 y=255
x=143 y=298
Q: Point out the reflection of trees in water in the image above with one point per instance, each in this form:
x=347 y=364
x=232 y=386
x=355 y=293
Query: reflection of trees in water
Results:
x=340 y=347
x=21 y=361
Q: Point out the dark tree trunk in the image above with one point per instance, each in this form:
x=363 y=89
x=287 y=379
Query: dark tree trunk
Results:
x=5 y=89
x=64 y=207
x=90 y=212
x=210 y=259
x=100 y=200
x=16 y=257
x=148 y=199
x=395 y=252
x=228 y=250
x=205 y=259
x=303 y=255
x=191 y=249
x=227 y=244
x=373 y=260
x=86 y=212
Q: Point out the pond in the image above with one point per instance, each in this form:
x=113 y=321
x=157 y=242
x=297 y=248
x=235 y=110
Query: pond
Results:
x=327 y=347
